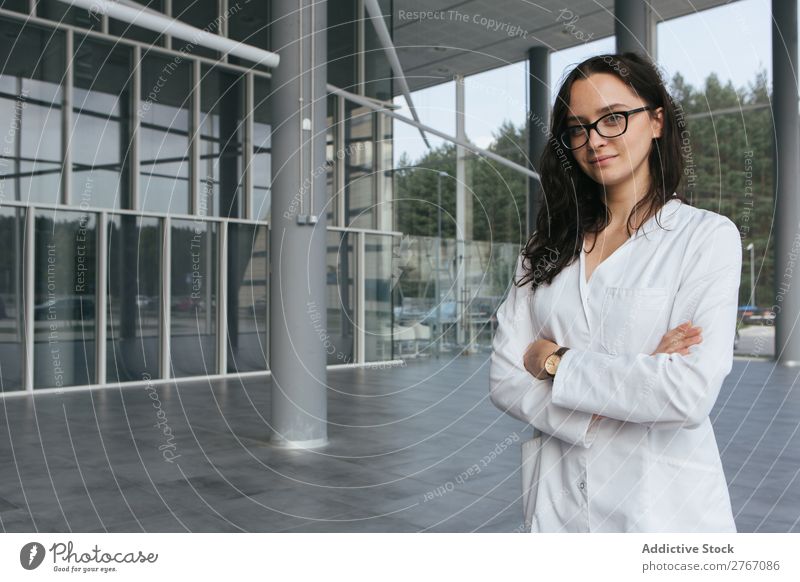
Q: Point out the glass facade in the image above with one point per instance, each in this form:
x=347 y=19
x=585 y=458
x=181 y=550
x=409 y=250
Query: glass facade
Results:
x=122 y=175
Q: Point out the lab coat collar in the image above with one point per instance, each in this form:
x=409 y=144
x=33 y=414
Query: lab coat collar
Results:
x=666 y=216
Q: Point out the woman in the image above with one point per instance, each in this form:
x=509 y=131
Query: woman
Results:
x=618 y=332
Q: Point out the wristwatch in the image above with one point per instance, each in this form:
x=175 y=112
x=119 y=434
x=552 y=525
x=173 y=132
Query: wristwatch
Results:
x=552 y=361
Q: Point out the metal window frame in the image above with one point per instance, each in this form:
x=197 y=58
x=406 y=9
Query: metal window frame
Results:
x=247 y=145
x=360 y=292
x=165 y=326
x=134 y=169
x=66 y=118
x=28 y=266
x=101 y=304
x=222 y=297
x=149 y=48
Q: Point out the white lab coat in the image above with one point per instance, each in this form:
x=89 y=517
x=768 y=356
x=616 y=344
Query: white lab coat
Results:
x=652 y=465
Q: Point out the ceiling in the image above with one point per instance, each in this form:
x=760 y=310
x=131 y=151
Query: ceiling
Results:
x=460 y=37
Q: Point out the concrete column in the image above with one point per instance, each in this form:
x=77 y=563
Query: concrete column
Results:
x=297 y=325
x=538 y=126
x=787 y=177
x=634 y=27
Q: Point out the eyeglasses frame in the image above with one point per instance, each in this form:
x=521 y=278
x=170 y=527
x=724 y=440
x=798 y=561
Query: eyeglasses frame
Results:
x=588 y=127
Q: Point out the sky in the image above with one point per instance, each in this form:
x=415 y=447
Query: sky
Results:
x=733 y=41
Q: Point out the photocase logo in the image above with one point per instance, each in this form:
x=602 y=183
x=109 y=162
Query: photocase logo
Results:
x=31 y=555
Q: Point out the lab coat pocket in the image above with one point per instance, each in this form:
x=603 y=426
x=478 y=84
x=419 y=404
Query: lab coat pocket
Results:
x=689 y=496
x=531 y=468
x=633 y=319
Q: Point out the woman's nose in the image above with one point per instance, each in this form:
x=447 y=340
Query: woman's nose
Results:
x=595 y=139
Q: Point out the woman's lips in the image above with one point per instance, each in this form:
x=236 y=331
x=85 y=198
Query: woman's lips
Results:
x=602 y=160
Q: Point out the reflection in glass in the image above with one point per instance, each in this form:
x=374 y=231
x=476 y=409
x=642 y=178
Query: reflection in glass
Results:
x=247 y=297
x=342 y=43
x=16 y=5
x=262 y=132
x=377 y=70
x=164 y=134
x=332 y=158
x=221 y=137
x=65 y=14
x=30 y=112
x=378 y=294
x=359 y=167
x=341 y=298
x=100 y=139
x=64 y=298
x=134 y=298
x=12 y=346
x=193 y=343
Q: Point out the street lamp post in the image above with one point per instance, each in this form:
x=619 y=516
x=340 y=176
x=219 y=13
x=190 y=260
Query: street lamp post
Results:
x=751 y=247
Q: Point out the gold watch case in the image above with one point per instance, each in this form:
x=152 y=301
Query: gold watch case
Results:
x=551 y=364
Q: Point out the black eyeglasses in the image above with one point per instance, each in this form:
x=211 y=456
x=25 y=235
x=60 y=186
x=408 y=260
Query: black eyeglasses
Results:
x=611 y=125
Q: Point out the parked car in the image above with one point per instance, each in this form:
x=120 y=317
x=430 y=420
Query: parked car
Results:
x=80 y=307
x=754 y=315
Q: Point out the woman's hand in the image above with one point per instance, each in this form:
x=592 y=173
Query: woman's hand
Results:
x=678 y=340
x=535 y=356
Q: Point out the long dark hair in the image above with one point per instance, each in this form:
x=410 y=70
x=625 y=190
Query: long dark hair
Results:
x=573 y=204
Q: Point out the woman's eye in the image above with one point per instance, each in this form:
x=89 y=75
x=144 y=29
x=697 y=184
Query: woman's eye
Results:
x=614 y=119
x=575 y=130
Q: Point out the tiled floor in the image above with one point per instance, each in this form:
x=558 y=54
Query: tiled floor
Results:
x=402 y=442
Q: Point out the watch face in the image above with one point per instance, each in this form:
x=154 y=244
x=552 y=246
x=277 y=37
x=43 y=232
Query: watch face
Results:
x=550 y=363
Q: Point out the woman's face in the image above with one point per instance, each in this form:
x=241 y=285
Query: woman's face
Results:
x=616 y=160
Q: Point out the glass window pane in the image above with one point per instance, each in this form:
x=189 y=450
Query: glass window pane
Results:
x=193 y=343
x=64 y=299
x=61 y=12
x=100 y=139
x=377 y=70
x=30 y=98
x=341 y=298
x=164 y=135
x=16 y=5
x=378 y=293
x=247 y=297
x=201 y=14
x=12 y=347
x=262 y=162
x=134 y=298
x=342 y=43
x=360 y=168
x=119 y=28
x=221 y=139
